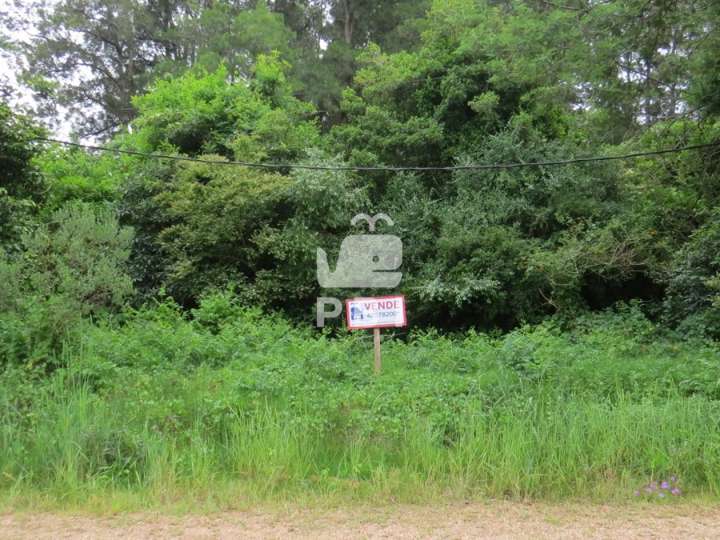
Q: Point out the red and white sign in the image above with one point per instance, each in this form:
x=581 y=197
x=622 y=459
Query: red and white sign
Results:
x=379 y=312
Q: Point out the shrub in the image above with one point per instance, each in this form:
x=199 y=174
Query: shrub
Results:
x=693 y=295
x=71 y=269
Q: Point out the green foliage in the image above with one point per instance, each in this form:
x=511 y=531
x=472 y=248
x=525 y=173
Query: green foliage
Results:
x=201 y=227
x=643 y=51
x=21 y=185
x=704 y=86
x=693 y=295
x=195 y=386
x=165 y=403
x=203 y=113
x=226 y=35
x=320 y=205
x=174 y=208
x=74 y=175
x=214 y=214
x=507 y=246
x=128 y=44
x=114 y=53
x=471 y=82
x=471 y=75
x=71 y=269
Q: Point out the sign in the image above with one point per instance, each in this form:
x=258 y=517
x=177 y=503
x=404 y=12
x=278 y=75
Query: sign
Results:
x=379 y=312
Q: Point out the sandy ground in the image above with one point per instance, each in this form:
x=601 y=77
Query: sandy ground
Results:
x=487 y=520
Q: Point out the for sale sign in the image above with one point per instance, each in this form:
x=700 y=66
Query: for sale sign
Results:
x=379 y=312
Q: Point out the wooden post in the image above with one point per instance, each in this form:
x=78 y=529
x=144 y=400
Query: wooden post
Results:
x=378 y=358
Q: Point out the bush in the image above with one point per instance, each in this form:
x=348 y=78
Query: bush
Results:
x=71 y=269
x=693 y=295
x=164 y=402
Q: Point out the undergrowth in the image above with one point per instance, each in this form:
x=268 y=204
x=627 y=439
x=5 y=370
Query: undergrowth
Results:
x=220 y=411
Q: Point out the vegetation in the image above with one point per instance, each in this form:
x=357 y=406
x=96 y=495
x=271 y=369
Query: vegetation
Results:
x=156 y=336
x=231 y=408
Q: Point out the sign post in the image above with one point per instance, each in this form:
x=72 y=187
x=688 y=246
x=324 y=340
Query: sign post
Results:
x=376 y=313
x=378 y=357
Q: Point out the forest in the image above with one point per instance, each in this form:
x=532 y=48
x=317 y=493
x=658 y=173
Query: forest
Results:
x=169 y=169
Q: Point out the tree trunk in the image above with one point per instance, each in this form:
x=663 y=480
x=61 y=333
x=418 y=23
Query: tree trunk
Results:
x=348 y=22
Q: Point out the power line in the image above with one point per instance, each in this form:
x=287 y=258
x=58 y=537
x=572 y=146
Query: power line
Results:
x=473 y=167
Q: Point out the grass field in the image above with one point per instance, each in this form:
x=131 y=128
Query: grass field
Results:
x=222 y=412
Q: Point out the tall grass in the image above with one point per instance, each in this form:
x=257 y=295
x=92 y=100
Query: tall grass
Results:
x=540 y=449
x=264 y=413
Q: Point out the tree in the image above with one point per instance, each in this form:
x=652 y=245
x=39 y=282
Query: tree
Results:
x=234 y=36
x=352 y=25
x=72 y=174
x=196 y=223
x=386 y=23
x=640 y=58
x=94 y=56
x=205 y=113
x=21 y=185
x=507 y=82
x=693 y=297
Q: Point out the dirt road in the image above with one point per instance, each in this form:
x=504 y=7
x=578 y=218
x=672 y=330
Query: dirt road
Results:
x=476 y=520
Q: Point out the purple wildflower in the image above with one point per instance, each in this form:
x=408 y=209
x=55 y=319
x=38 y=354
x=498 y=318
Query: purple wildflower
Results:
x=675 y=491
x=664 y=485
x=673 y=479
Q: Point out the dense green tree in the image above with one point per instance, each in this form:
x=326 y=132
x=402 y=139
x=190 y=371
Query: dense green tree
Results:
x=331 y=33
x=472 y=82
x=232 y=34
x=22 y=187
x=704 y=87
x=693 y=296
x=93 y=57
x=202 y=226
x=640 y=58
x=213 y=216
x=201 y=112
x=485 y=252
x=464 y=83
x=76 y=175
x=199 y=225
x=600 y=73
x=507 y=82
